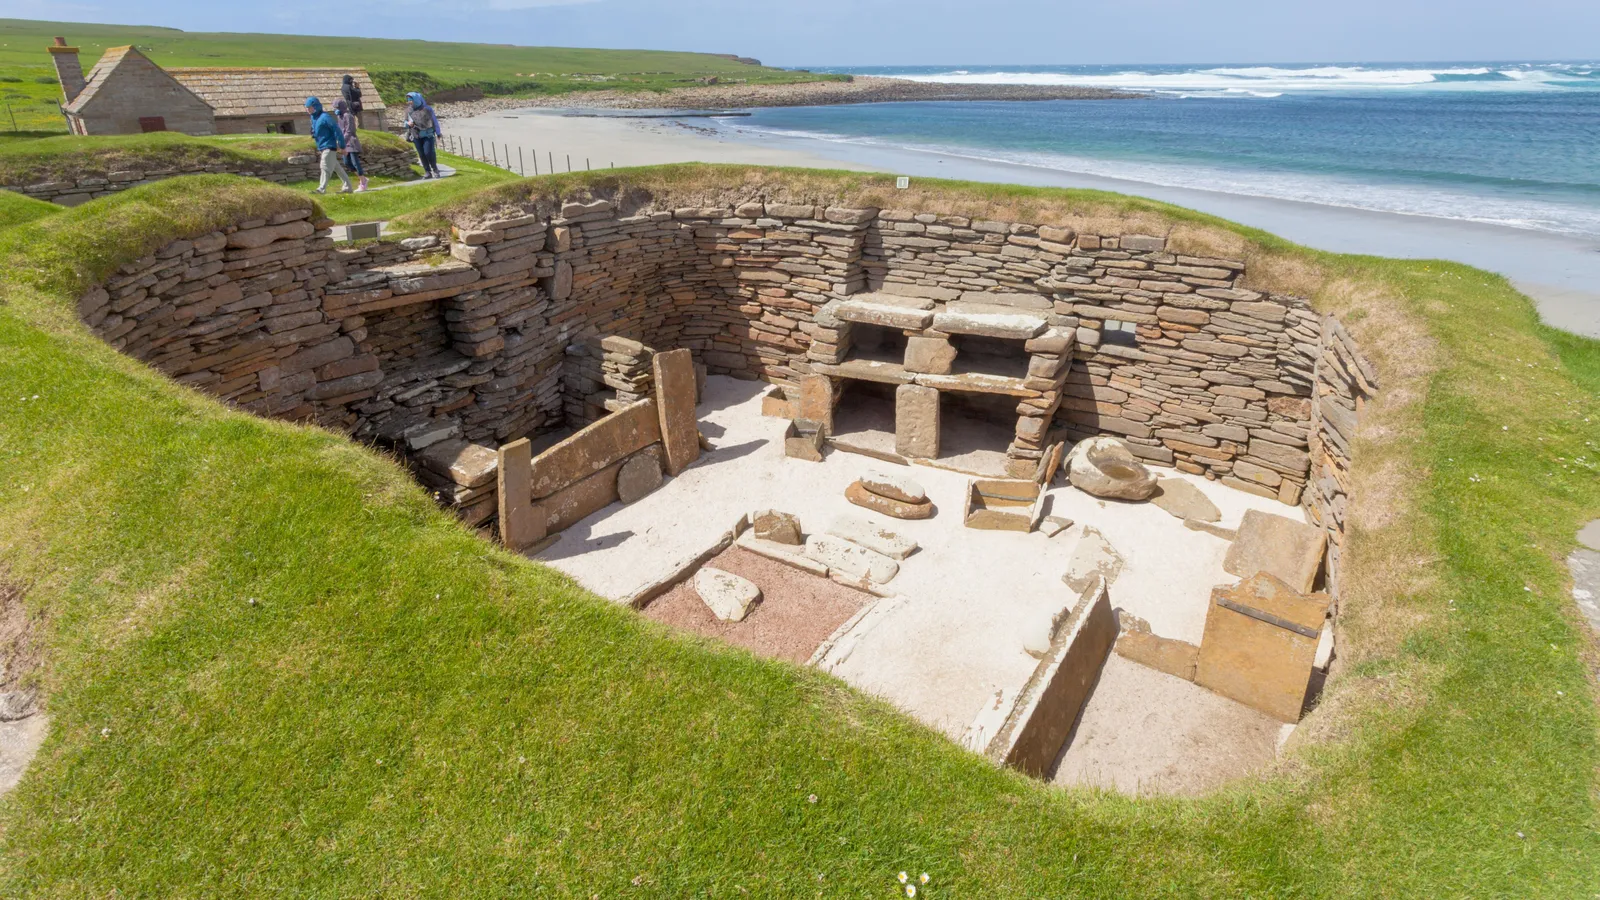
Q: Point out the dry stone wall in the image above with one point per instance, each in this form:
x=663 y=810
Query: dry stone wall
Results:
x=545 y=316
x=392 y=162
x=1344 y=381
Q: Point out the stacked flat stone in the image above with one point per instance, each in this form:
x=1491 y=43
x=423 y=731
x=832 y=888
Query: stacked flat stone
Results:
x=1345 y=381
x=303 y=166
x=462 y=475
x=626 y=370
x=473 y=338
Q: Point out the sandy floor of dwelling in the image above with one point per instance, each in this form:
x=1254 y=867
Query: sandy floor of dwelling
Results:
x=1147 y=732
x=970 y=595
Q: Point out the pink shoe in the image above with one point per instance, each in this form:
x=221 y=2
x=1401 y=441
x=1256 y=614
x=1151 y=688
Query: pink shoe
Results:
x=363 y=185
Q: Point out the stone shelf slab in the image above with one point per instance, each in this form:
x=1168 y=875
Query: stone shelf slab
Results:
x=978 y=383
x=990 y=320
x=887 y=310
x=866 y=370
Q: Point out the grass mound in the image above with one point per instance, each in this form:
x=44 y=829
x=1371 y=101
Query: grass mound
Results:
x=16 y=209
x=24 y=162
x=272 y=667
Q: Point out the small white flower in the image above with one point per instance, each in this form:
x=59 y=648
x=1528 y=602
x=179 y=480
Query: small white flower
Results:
x=924 y=878
x=903 y=877
x=812 y=798
x=911 y=890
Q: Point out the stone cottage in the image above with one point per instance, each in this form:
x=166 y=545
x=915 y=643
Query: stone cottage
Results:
x=127 y=93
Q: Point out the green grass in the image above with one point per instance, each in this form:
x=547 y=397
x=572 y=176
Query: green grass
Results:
x=26 y=104
x=30 y=161
x=397 y=66
x=406 y=711
x=16 y=209
x=471 y=176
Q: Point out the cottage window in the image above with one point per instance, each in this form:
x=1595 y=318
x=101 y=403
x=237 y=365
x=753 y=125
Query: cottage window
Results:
x=148 y=124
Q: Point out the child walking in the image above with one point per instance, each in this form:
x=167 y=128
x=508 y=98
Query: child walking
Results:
x=352 y=142
x=422 y=129
x=330 y=140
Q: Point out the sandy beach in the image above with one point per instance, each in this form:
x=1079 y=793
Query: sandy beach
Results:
x=603 y=141
x=1561 y=273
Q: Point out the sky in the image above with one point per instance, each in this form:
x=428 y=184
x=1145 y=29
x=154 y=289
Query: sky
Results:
x=919 y=32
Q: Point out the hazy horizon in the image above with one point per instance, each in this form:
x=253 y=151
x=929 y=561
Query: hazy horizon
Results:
x=898 y=33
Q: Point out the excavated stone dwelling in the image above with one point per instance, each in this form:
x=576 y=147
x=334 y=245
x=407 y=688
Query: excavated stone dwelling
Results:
x=548 y=317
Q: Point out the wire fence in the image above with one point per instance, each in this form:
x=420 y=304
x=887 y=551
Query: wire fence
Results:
x=516 y=158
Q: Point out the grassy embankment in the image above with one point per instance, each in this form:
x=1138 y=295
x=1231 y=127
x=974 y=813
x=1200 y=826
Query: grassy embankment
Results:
x=396 y=66
x=16 y=209
x=273 y=667
x=25 y=161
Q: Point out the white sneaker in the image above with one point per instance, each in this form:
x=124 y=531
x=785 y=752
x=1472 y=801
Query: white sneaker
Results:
x=320 y=191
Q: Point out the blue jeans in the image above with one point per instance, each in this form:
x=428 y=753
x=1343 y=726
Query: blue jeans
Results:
x=427 y=152
x=352 y=161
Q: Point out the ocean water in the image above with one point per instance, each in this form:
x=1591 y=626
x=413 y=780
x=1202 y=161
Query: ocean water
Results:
x=1514 y=144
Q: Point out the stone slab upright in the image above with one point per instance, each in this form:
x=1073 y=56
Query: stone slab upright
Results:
x=1260 y=644
x=816 y=402
x=675 y=393
x=522 y=522
x=916 y=421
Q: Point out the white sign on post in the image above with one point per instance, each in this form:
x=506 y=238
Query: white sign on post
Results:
x=902 y=182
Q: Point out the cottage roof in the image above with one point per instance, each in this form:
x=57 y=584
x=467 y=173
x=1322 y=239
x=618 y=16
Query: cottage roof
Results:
x=102 y=72
x=272 y=91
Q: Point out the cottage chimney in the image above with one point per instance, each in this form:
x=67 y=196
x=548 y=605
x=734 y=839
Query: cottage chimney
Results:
x=68 y=69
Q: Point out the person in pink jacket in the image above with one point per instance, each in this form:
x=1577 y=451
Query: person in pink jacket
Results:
x=352 y=142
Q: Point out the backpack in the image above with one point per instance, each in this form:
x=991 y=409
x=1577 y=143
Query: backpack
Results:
x=352 y=94
x=419 y=123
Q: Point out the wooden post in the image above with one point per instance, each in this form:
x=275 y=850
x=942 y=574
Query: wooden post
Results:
x=522 y=521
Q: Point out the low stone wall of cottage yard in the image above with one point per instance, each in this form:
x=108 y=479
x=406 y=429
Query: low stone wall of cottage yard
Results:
x=491 y=329
x=302 y=165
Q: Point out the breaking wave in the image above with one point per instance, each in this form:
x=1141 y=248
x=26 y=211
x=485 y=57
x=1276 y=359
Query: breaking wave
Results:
x=1274 y=81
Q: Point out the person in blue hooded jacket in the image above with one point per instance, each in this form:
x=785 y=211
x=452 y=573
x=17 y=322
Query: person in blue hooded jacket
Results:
x=330 y=140
x=422 y=130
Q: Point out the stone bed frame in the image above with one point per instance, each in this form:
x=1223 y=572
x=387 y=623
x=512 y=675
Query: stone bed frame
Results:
x=447 y=357
x=299 y=166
